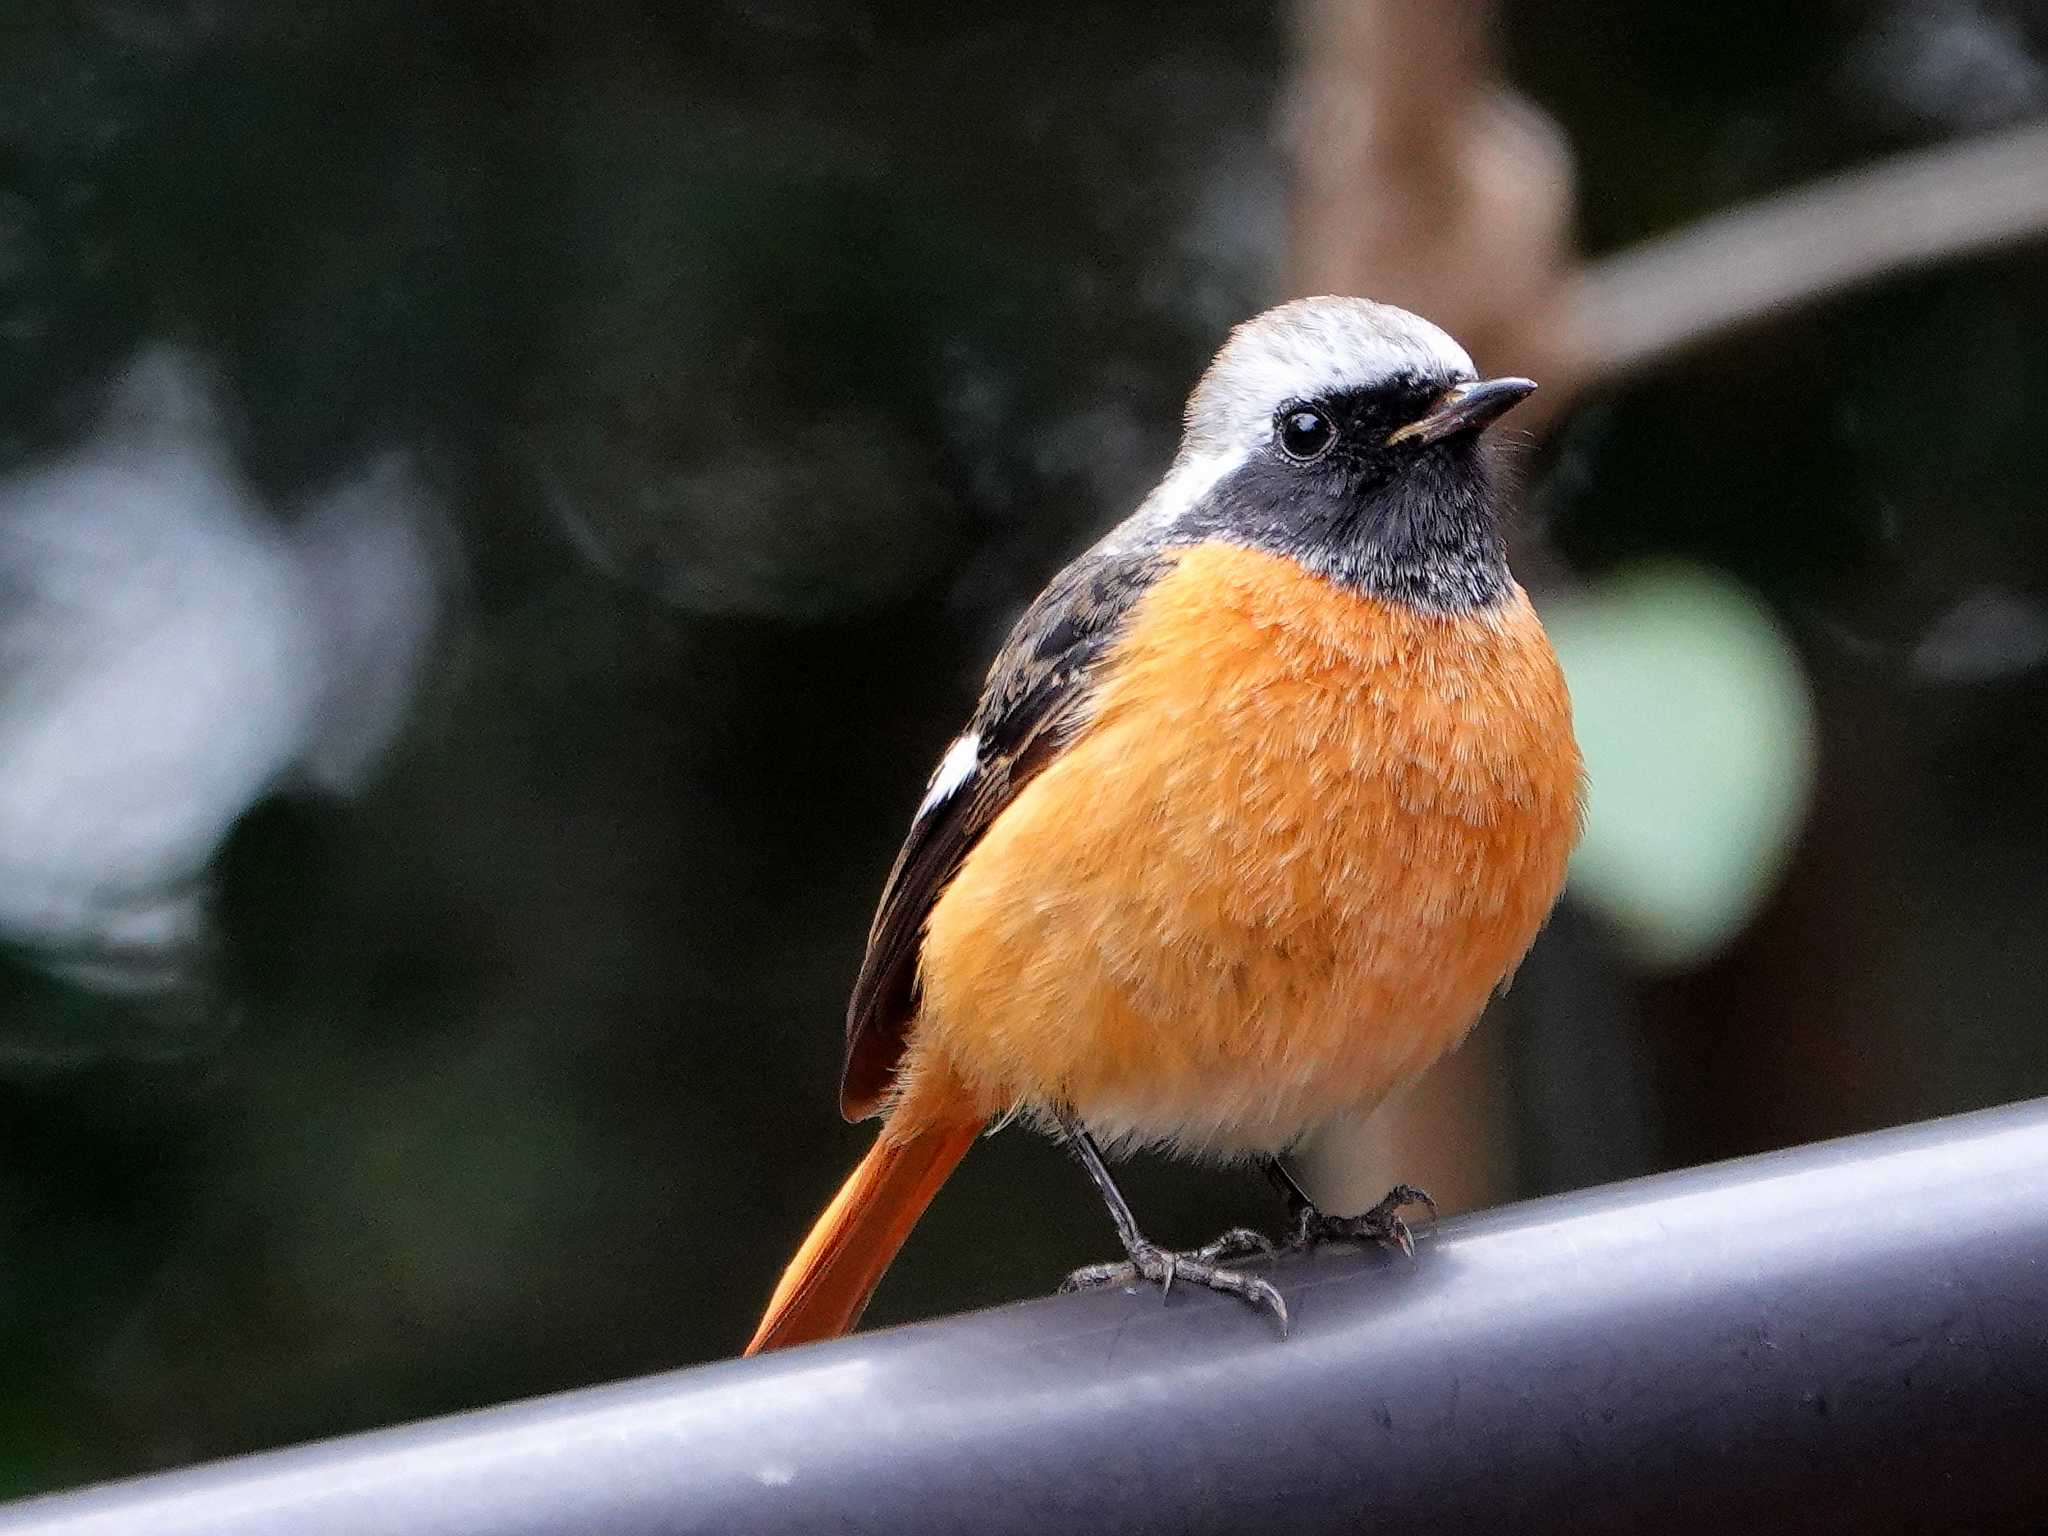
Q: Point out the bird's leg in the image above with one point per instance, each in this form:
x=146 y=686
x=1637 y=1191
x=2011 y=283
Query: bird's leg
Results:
x=1381 y=1224
x=1160 y=1266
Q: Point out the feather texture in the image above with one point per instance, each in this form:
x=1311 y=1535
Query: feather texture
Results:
x=1037 y=696
x=1302 y=837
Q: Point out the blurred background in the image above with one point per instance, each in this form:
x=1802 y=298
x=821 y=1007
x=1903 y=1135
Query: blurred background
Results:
x=501 y=507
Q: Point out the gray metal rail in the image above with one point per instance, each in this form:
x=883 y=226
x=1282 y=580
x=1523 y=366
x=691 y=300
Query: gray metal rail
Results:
x=1846 y=1337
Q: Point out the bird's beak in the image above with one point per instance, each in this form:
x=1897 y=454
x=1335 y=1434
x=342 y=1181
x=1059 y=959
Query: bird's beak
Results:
x=1465 y=408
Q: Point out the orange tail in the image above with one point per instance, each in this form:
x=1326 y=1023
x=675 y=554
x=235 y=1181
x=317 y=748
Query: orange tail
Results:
x=828 y=1283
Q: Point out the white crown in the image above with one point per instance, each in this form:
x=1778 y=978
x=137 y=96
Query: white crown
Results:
x=1306 y=349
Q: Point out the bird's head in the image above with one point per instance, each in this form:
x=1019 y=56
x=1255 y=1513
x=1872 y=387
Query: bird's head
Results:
x=1346 y=435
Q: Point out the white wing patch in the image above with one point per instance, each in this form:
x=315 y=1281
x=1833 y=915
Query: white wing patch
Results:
x=954 y=769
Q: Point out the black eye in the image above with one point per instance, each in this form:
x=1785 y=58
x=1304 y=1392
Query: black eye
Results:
x=1305 y=433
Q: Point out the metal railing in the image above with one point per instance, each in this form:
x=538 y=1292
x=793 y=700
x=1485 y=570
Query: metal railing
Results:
x=1847 y=1337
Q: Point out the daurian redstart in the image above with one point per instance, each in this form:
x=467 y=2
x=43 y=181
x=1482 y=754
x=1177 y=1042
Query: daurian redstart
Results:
x=1266 y=793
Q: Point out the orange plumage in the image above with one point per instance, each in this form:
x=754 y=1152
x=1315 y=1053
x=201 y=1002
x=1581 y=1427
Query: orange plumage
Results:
x=1305 y=835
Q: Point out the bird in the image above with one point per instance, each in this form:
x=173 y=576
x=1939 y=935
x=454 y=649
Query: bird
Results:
x=1265 y=795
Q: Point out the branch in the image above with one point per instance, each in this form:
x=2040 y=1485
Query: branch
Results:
x=1736 y=269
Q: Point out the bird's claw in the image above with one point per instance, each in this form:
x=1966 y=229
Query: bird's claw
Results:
x=1091 y=1277
x=1382 y=1224
x=1162 y=1267
x=1237 y=1243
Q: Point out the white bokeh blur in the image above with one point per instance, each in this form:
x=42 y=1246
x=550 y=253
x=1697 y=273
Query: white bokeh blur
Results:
x=171 y=651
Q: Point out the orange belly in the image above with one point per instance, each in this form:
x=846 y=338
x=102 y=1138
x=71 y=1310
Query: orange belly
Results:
x=1304 y=837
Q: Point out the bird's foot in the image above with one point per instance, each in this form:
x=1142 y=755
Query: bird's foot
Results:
x=1237 y=1243
x=1381 y=1224
x=1164 y=1268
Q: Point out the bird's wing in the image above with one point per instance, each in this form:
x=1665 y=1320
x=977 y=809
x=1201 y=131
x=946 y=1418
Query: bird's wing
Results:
x=1038 y=696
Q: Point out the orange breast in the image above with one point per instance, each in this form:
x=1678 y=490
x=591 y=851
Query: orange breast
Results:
x=1304 y=837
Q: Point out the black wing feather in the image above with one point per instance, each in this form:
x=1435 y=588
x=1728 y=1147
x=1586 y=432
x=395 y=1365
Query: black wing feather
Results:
x=1038 y=697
